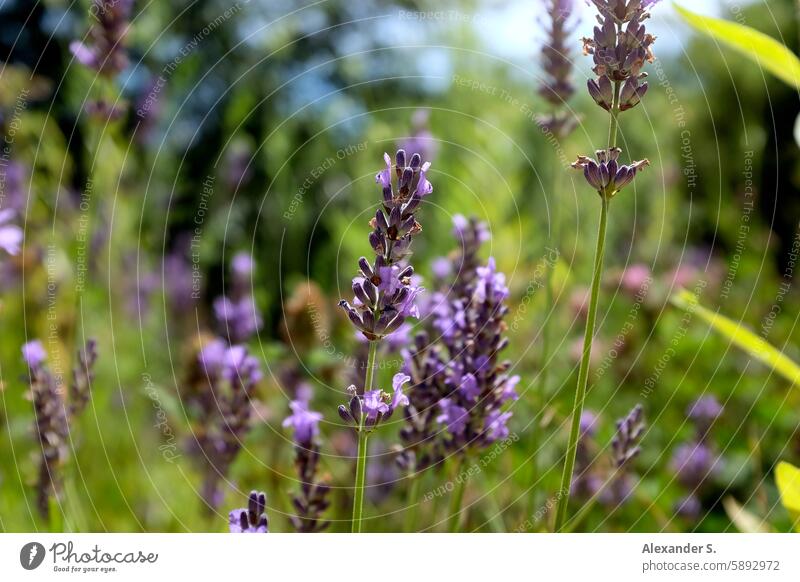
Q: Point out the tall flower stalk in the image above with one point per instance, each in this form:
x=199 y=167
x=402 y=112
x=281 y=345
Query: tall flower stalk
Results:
x=557 y=89
x=385 y=297
x=56 y=409
x=620 y=47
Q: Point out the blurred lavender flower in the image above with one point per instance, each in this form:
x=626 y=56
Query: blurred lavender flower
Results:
x=592 y=476
x=10 y=234
x=693 y=463
x=105 y=50
x=696 y=462
x=237 y=314
x=311 y=501
x=556 y=59
x=178 y=279
x=54 y=414
x=421 y=139
x=625 y=444
x=253 y=518
x=219 y=397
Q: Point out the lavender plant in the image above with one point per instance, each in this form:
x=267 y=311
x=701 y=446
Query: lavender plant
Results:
x=311 y=500
x=219 y=397
x=619 y=47
x=250 y=519
x=55 y=409
x=237 y=314
x=608 y=482
x=384 y=298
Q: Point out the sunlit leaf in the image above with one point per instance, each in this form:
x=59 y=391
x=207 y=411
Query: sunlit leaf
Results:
x=787 y=477
x=745 y=521
x=742 y=337
x=757 y=46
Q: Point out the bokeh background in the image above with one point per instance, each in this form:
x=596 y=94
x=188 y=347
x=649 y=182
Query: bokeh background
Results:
x=257 y=127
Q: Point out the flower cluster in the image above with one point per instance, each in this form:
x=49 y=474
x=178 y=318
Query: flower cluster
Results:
x=696 y=461
x=459 y=384
x=384 y=292
x=365 y=412
x=218 y=396
x=556 y=58
x=253 y=518
x=55 y=413
x=105 y=50
x=620 y=46
x=311 y=500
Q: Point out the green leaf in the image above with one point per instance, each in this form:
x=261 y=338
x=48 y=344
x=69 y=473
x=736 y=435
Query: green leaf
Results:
x=787 y=478
x=742 y=337
x=757 y=46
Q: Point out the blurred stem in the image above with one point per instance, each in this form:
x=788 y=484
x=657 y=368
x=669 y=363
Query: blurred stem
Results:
x=413 y=503
x=361 y=460
x=588 y=336
x=457 y=499
x=546 y=329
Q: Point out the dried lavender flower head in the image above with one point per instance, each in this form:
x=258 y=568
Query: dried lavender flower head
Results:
x=252 y=519
x=625 y=444
x=620 y=46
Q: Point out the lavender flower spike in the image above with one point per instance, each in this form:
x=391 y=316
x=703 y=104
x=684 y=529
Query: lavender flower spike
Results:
x=253 y=518
x=625 y=445
x=384 y=291
x=105 y=50
x=311 y=500
x=556 y=58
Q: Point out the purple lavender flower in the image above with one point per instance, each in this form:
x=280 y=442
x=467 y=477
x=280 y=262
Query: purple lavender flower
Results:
x=693 y=463
x=421 y=140
x=374 y=406
x=34 y=354
x=704 y=411
x=54 y=414
x=218 y=396
x=105 y=50
x=252 y=519
x=384 y=293
x=237 y=314
x=10 y=234
x=311 y=501
x=305 y=422
x=689 y=507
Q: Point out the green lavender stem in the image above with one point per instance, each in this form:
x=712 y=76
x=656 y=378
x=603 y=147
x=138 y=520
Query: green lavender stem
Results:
x=413 y=504
x=588 y=336
x=361 y=460
x=457 y=499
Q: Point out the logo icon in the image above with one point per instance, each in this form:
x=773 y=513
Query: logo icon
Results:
x=31 y=555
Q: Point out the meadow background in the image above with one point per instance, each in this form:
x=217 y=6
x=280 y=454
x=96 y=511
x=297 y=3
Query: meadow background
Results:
x=258 y=127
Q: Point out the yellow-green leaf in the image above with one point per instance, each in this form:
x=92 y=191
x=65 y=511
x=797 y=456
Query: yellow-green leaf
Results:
x=787 y=477
x=742 y=337
x=745 y=521
x=757 y=46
